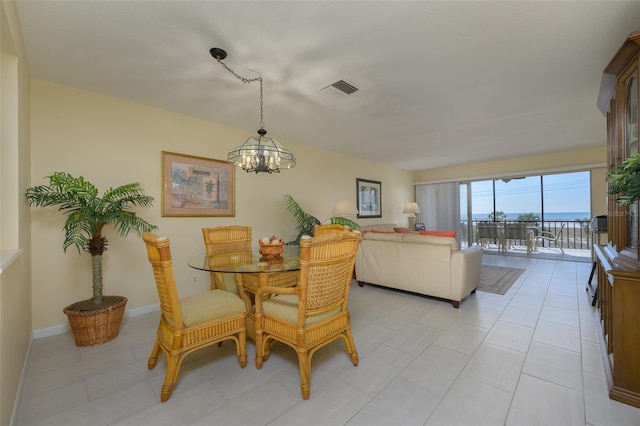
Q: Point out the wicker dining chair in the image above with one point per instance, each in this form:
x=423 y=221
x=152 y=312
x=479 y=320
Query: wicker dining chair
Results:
x=227 y=239
x=314 y=313
x=328 y=228
x=235 y=241
x=193 y=322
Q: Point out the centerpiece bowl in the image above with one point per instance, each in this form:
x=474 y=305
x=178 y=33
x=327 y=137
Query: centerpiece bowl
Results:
x=271 y=249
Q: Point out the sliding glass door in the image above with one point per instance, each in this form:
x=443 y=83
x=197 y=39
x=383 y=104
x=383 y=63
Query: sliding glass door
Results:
x=544 y=201
x=519 y=198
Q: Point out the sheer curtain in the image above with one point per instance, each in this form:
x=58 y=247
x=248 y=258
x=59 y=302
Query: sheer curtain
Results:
x=439 y=206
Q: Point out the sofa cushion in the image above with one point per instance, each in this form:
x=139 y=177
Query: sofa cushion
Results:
x=379 y=227
x=402 y=230
x=451 y=233
x=393 y=236
x=431 y=239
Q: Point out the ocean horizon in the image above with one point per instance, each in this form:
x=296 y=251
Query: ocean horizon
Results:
x=547 y=216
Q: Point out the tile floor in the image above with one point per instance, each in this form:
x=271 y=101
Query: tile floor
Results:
x=530 y=357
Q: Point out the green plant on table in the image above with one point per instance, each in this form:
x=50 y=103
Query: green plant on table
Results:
x=87 y=214
x=305 y=222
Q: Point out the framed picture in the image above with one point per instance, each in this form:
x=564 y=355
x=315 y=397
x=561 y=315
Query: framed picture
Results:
x=369 y=196
x=197 y=186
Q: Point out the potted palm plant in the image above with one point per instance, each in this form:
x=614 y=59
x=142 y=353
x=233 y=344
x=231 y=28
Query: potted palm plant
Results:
x=96 y=320
x=305 y=222
x=625 y=180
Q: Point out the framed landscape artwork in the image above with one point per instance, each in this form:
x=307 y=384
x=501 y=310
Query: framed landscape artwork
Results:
x=369 y=196
x=197 y=186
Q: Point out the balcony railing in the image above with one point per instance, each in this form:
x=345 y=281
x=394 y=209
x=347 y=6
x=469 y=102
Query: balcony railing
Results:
x=575 y=234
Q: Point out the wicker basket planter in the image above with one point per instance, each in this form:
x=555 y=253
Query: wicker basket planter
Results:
x=94 y=327
x=271 y=249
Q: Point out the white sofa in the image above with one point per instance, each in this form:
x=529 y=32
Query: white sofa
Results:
x=424 y=264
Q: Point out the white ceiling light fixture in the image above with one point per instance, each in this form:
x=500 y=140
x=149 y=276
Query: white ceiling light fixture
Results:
x=262 y=154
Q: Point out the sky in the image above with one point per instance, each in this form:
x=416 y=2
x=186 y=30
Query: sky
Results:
x=564 y=192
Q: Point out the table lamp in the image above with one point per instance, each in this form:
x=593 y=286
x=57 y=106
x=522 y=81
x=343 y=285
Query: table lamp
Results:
x=410 y=209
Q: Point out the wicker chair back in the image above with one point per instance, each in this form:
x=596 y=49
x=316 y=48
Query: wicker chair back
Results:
x=314 y=313
x=193 y=322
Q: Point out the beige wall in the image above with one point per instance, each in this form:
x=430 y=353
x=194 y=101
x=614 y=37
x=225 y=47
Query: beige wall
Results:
x=112 y=142
x=15 y=288
x=593 y=159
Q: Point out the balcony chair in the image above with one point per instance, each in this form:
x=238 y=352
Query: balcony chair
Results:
x=517 y=231
x=551 y=237
x=193 y=322
x=314 y=313
x=487 y=233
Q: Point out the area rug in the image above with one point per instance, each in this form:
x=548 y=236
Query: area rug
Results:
x=498 y=279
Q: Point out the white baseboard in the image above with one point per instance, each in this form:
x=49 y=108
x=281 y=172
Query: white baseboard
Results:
x=141 y=310
x=64 y=328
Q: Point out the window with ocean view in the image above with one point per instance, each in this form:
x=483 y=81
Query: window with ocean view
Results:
x=559 y=202
x=567 y=196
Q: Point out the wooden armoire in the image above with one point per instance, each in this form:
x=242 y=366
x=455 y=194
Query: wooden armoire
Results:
x=618 y=262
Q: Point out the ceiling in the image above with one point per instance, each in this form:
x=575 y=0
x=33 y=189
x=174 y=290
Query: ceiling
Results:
x=440 y=83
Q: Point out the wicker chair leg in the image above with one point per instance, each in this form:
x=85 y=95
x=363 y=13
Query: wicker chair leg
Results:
x=155 y=352
x=259 y=341
x=173 y=365
x=259 y=359
x=165 y=393
x=305 y=374
x=266 y=349
x=351 y=347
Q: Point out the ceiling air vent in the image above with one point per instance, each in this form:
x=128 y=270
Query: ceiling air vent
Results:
x=341 y=86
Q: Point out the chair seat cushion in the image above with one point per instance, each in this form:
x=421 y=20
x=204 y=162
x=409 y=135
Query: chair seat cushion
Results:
x=210 y=305
x=285 y=307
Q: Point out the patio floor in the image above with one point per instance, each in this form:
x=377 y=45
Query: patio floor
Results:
x=573 y=255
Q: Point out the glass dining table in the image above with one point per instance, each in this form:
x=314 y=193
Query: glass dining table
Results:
x=248 y=261
x=252 y=271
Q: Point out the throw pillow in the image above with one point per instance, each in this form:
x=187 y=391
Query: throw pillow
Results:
x=402 y=230
x=451 y=233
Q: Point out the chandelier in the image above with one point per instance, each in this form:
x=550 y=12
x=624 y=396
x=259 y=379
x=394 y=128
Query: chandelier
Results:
x=262 y=153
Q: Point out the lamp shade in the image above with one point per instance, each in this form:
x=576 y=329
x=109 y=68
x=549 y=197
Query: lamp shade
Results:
x=411 y=209
x=345 y=208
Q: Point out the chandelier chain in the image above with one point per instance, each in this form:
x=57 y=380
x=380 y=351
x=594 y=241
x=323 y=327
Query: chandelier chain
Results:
x=247 y=80
x=261 y=154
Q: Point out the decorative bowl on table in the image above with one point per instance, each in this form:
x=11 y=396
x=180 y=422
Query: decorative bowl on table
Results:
x=271 y=246
x=272 y=262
